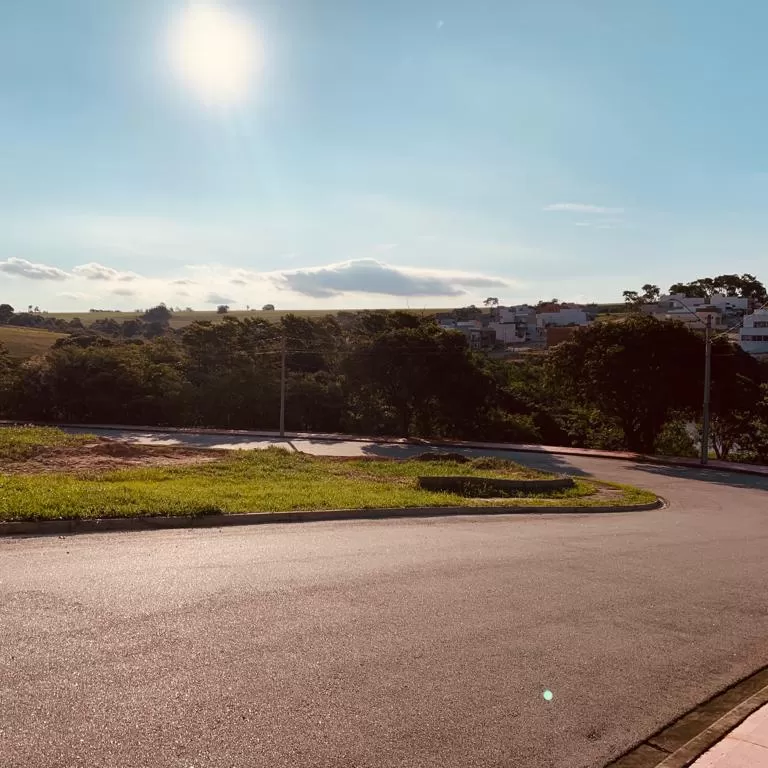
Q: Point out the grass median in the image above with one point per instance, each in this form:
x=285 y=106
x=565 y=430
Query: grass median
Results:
x=271 y=480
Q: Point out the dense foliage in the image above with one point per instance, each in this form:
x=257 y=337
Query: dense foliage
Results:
x=635 y=384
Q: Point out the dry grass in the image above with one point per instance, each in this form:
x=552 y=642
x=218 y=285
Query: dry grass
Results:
x=28 y=342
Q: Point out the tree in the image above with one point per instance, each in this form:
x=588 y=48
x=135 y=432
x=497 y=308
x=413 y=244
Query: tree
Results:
x=6 y=313
x=744 y=286
x=650 y=293
x=222 y=309
x=158 y=314
x=94 y=379
x=9 y=372
x=419 y=380
x=636 y=372
x=268 y=308
x=735 y=396
x=493 y=303
x=233 y=369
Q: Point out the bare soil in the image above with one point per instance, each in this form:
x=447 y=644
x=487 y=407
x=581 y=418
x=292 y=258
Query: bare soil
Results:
x=106 y=455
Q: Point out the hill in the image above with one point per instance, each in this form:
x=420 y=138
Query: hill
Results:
x=180 y=319
x=27 y=342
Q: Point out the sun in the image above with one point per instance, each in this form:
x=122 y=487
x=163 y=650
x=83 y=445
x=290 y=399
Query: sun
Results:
x=215 y=52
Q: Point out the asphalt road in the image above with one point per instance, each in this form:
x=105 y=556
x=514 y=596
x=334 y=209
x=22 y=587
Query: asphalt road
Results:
x=426 y=642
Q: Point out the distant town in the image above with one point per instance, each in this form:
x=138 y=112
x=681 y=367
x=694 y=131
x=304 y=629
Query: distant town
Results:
x=520 y=327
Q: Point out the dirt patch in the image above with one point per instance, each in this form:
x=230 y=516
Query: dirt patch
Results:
x=106 y=455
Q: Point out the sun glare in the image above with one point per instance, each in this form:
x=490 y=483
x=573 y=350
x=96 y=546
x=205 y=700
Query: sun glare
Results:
x=215 y=52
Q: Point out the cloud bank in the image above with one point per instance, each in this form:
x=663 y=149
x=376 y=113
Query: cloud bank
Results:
x=94 y=271
x=218 y=284
x=24 y=268
x=372 y=276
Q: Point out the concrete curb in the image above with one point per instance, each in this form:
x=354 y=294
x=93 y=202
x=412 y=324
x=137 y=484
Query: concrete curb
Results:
x=107 y=524
x=679 y=744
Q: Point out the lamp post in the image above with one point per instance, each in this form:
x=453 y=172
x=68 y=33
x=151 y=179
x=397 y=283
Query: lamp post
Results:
x=707 y=388
x=282 y=387
x=704 y=455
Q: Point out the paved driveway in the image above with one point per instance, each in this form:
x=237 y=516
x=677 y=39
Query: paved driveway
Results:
x=425 y=642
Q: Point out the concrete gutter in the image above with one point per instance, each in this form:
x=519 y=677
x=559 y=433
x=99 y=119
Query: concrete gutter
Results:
x=679 y=744
x=97 y=525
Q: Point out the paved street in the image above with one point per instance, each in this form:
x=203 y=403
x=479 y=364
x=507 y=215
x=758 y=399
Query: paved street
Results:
x=427 y=642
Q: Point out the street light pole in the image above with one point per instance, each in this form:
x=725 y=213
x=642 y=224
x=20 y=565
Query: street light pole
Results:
x=707 y=387
x=282 y=388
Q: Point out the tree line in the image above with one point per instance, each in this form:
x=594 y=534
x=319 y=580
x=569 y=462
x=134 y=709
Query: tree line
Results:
x=744 y=286
x=635 y=384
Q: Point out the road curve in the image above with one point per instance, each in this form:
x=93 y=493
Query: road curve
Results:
x=385 y=643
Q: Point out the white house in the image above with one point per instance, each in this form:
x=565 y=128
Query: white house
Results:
x=753 y=335
x=515 y=325
x=509 y=333
x=679 y=302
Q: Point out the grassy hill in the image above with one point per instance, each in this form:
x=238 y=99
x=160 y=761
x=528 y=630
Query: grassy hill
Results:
x=180 y=319
x=27 y=342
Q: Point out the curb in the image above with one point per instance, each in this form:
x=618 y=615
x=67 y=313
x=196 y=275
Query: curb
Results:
x=107 y=524
x=679 y=744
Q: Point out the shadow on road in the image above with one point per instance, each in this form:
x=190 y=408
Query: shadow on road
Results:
x=546 y=462
x=753 y=482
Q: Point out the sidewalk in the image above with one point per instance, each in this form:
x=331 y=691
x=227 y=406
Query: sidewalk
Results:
x=746 y=746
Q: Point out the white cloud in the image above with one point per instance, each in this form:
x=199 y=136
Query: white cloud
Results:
x=95 y=271
x=24 y=268
x=218 y=298
x=74 y=296
x=123 y=292
x=183 y=282
x=374 y=277
x=582 y=208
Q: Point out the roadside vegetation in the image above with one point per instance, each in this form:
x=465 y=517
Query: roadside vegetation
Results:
x=271 y=480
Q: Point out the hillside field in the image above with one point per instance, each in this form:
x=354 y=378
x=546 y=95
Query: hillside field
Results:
x=27 y=342
x=180 y=319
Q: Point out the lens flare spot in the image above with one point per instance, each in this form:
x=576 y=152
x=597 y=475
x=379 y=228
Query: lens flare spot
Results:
x=548 y=695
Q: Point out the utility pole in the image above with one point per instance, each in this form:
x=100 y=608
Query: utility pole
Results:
x=707 y=386
x=282 y=387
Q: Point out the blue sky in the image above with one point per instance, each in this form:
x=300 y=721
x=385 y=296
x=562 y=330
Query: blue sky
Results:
x=348 y=154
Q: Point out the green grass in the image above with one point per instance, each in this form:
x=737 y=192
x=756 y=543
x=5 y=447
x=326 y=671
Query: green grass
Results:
x=271 y=480
x=27 y=342
x=20 y=443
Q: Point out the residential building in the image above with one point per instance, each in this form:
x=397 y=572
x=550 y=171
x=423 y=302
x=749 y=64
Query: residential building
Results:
x=562 y=317
x=728 y=305
x=509 y=333
x=516 y=324
x=478 y=336
x=753 y=334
